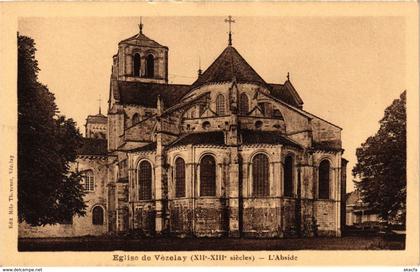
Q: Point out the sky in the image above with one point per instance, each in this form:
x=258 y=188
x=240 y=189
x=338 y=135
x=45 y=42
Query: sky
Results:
x=347 y=70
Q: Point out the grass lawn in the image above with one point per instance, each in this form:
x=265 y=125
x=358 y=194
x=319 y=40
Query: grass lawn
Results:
x=377 y=242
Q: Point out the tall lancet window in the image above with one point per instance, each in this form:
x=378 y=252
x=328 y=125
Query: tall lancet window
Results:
x=179 y=177
x=207 y=176
x=136 y=65
x=288 y=176
x=145 y=180
x=150 y=66
x=324 y=180
x=220 y=105
x=260 y=176
x=243 y=104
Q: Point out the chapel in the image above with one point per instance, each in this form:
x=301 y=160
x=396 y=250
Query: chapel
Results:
x=229 y=155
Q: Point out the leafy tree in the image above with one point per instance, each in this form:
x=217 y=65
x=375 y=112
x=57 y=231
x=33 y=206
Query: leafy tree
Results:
x=381 y=165
x=47 y=192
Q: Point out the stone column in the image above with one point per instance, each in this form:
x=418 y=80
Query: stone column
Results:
x=233 y=194
x=159 y=173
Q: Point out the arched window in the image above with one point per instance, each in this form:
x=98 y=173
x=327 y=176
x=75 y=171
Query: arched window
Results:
x=145 y=180
x=98 y=216
x=208 y=176
x=88 y=180
x=150 y=66
x=136 y=118
x=220 y=105
x=243 y=104
x=324 y=180
x=136 y=64
x=179 y=177
x=260 y=176
x=288 y=176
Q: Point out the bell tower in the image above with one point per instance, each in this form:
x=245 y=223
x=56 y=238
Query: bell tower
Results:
x=141 y=59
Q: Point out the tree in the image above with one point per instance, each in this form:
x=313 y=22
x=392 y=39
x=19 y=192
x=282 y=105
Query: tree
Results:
x=381 y=165
x=47 y=192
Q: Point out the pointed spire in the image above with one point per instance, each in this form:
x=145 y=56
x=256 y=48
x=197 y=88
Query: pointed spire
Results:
x=141 y=26
x=230 y=21
x=288 y=76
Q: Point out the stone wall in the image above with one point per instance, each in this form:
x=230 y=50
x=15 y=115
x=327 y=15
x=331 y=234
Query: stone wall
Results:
x=326 y=216
x=261 y=217
x=80 y=226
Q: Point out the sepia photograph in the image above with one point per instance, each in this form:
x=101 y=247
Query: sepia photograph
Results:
x=207 y=138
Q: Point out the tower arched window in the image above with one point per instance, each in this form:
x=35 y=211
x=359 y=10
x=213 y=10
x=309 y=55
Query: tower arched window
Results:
x=288 y=176
x=88 y=180
x=208 y=176
x=324 y=180
x=145 y=180
x=260 y=175
x=136 y=118
x=220 y=105
x=179 y=177
x=136 y=64
x=150 y=66
x=98 y=216
x=243 y=104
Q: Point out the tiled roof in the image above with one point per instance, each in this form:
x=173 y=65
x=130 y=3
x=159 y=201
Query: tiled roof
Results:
x=327 y=146
x=98 y=118
x=230 y=64
x=285 y=94
x=199 y=138
x=92 y=146
x=145 y=94
x=265 y=137
x=141 y=39
x=147 y=147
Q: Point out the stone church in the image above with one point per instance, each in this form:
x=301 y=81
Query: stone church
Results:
x=230 y=155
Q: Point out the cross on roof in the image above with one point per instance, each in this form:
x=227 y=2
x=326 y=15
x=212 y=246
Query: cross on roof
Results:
x=230 y=21
x=141 y=26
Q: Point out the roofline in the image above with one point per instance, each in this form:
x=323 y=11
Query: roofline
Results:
x=313 y=115
x=301 y=111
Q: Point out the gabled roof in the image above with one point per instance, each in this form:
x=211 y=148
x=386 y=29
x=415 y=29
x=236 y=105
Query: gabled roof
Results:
x=145 y=94
x=141 y=39
x=287 y=93
x=266 y=137
x=92 y=146
x=228 y=65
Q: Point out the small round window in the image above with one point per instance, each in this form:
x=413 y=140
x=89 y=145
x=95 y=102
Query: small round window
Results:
x=258 y=124
x=206 y=125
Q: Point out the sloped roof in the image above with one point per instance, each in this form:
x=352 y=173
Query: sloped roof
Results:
x=145 y=94
x=141 y=39
x=98 y=118
x=265 y=137
x=92 y=146
x=286 y=92
x=210 y=137
x=148 y=147
x=327 y=145
x=228 y=65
